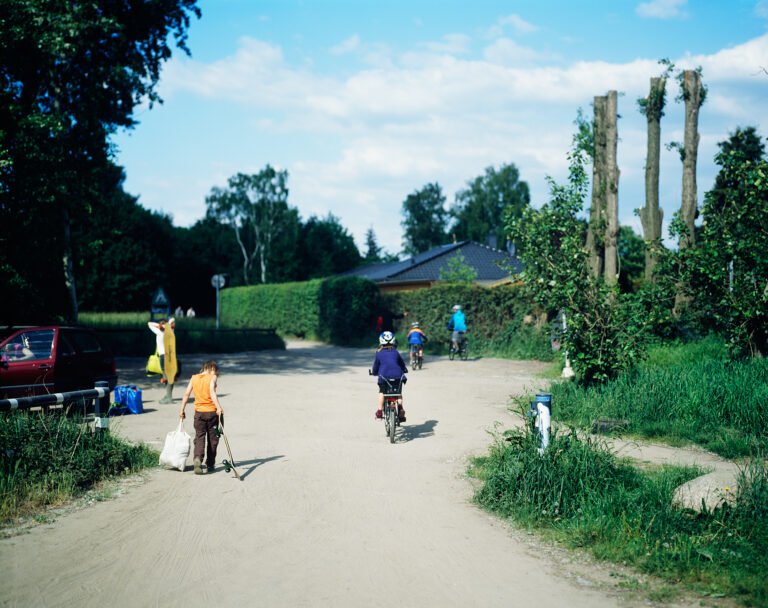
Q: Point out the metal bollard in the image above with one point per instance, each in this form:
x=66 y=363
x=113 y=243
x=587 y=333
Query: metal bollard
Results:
x=101 y=407
x=541 y=412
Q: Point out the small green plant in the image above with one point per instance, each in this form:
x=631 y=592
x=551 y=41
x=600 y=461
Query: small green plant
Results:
x=579 y=493
x=457 y=270
x=683 y=393
x=47 y=459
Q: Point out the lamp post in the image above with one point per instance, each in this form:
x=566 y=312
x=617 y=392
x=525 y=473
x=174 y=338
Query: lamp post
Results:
x=218 y=281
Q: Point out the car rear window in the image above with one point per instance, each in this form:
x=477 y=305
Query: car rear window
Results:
x=84 y=341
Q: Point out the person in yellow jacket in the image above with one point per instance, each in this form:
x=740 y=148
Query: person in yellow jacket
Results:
x=207 y=412
x=166 y=349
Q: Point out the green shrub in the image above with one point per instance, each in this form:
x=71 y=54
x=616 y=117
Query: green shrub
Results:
x=719 y=404
x=46 y=458
x=582 y=495
x=500 y=320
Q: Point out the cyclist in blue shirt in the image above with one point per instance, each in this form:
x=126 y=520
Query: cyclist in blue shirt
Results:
x=458 y=325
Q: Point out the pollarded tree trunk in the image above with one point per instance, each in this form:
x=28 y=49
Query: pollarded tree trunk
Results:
x=693 y=96
x=652 y=215
x=611 y=260
x=595 y=232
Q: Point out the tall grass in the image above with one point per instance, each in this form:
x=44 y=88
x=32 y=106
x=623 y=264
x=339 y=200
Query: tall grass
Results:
x=688 y=393
x=584 y=496
x=46 y=459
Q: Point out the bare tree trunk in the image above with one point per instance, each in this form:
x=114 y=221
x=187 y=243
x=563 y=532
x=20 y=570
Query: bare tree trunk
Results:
x=611 y=260
x=652 y=215
x=693 y=95
x=596 y=227
x=69 y=271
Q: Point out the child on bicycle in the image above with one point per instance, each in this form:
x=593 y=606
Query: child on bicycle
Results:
x=388 y=364
x=417 y=338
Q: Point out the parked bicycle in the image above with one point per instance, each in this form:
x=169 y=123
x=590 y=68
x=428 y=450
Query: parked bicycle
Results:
x=393 y=391
x=462 y=350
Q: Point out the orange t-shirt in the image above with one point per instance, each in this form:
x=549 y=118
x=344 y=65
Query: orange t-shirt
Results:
x=201 y=386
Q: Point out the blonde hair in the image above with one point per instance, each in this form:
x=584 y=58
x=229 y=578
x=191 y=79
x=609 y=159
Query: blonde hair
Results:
x=210 y=367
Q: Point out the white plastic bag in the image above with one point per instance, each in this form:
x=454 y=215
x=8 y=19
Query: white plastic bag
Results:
x=176 y=449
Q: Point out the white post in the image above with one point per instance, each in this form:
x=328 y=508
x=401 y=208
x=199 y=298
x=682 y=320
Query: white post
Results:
x=567 y=370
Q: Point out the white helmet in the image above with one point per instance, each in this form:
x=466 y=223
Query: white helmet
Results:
x=387 y=337
x=457 y=307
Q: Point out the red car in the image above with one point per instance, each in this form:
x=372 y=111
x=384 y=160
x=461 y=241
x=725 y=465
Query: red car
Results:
x=52 y=359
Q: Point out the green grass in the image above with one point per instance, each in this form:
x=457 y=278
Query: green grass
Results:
x=682 y=394
x=50 y=459
x=138 y=320
x=127 y=335
x=580 y=494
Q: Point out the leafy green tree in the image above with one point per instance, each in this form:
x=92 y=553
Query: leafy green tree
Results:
x=457 y=270
x=122 y=252
x=372 y=249
x=479 y=210
x=727 y=271
x=255 y=207
x=326 y=248
x=72 y=73
x=606 y=331
x=631 y=259
x=424 y=219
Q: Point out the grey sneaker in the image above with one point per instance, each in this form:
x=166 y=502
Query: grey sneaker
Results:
x=198 y=466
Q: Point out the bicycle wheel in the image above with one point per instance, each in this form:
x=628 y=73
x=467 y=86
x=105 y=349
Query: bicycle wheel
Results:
x=386 y=420
x=451 y=352
x=464 y=351
x=391 y=417
x=421 y=361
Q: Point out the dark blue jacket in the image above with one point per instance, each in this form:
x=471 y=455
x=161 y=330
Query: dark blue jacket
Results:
x=389 y=364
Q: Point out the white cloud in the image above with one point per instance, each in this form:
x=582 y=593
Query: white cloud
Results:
x=507 y=52
x=349 y=45
x=661 y=9
x=438 y=115
x=515 y=22
x=451 y=44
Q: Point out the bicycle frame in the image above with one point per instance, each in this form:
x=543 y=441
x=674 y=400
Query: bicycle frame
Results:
x=392 y=397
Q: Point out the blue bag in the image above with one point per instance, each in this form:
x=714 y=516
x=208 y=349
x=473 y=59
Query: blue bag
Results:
x=120 y=394
x=133 y=400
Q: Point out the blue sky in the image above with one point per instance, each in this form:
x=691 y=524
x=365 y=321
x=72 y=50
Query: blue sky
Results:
x=363 y=103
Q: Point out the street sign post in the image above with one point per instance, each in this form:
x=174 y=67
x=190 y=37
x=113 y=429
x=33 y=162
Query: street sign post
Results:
x=218 y=281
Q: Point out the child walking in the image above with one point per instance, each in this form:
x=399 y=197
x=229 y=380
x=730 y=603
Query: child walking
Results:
x=207 y=412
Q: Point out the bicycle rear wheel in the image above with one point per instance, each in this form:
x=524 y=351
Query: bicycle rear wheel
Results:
x=464 y=351
x=386 y=420
x=451 y=352
x=391 y=417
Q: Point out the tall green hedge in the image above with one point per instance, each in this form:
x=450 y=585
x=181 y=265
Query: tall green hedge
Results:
x=338 y=310
x=344 y=311
x=500 y=320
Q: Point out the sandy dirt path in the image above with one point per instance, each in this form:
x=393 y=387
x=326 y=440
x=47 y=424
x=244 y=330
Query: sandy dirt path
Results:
x=328 y=513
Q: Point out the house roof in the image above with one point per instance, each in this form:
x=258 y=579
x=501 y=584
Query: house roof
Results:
x=490 y=264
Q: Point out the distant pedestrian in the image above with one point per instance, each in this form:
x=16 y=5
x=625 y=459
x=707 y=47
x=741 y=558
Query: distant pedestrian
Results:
x=190 y=312
x=207 y=415
x=179 y=312
x=165 y=340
